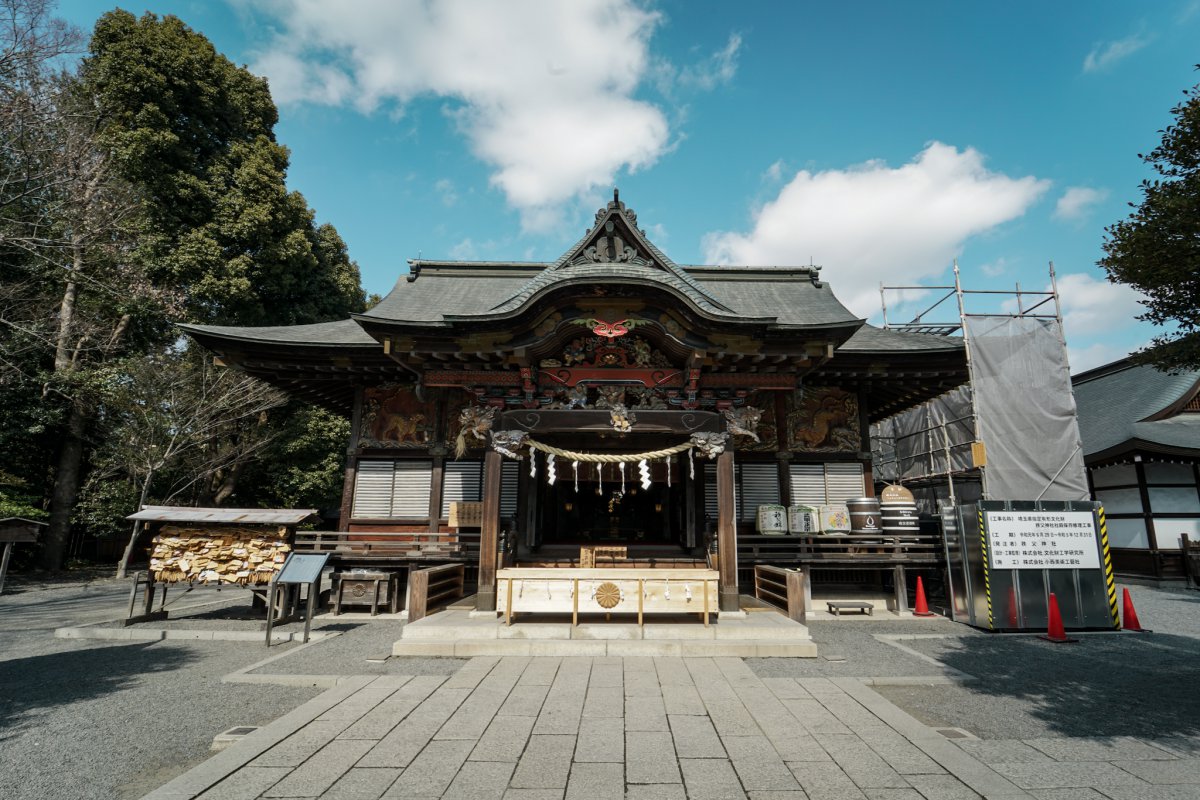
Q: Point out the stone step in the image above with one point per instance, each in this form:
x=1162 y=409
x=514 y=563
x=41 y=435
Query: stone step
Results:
x=745 y=648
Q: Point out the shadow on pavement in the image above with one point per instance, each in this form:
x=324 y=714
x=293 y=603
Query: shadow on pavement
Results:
x=1106 y=685
x=40 y=683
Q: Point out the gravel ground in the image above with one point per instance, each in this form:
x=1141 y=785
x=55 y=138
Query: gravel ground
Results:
x=83 y=719
x=98 y=720
x=348 y=654
x=848 y=649
x=1121 y=684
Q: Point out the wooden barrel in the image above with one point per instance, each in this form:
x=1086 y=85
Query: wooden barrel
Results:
x=772 y=520
x=864 y=515
x=899 y=511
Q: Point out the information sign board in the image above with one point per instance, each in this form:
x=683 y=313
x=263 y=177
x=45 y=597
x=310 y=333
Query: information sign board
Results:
x=1042 y=540
x=302 y=567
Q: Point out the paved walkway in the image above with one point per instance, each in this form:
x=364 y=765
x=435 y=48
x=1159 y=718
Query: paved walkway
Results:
x=597 y=728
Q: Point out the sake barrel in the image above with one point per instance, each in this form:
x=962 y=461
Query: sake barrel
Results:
x=898 y=509
x=804 y=519
x=835 y=518
x=864 y=515
x=772 y=520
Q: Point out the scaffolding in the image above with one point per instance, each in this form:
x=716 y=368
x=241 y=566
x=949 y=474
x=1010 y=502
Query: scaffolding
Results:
x=1010 y=432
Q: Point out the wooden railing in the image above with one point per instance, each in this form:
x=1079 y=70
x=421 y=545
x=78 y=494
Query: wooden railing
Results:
x=857 y=549
x=433 y=586
x=381 y=548
x=783 y=588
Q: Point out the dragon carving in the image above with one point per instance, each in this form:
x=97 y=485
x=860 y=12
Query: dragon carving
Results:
x=710 y=445
x=622 y=418
x=509 y=443
x=743 y=421
x=476 y=421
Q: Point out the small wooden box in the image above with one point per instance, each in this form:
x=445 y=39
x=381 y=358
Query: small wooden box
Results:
x=466 y=515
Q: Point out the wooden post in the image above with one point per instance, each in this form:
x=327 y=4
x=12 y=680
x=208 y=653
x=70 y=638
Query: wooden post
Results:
x=726 y=534
x=418 y=594
x=901 y=590
x=795 y=595
x=489 y=532
x=4 y=563
x=435 y=493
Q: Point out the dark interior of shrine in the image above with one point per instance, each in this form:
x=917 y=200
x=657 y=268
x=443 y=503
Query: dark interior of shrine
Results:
x=601 y=508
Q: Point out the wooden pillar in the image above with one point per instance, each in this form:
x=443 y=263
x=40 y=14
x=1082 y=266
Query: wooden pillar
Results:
x=352 y=451
x=437 y=483
x=489 y=535
x=726 y=533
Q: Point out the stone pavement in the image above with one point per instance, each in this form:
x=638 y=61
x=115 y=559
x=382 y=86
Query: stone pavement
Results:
x=595 y=728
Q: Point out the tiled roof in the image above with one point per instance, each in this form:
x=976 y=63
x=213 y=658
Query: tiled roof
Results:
x=1113 y=404
x=869 y=339
x=334 y=334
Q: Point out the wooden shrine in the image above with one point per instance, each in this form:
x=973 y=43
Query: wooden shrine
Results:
x=611 y=398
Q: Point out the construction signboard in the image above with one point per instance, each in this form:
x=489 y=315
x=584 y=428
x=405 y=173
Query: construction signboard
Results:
x=1006 y=557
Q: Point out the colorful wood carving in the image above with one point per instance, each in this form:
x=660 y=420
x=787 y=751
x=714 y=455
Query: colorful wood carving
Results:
x=394 y=417
x=823 y=420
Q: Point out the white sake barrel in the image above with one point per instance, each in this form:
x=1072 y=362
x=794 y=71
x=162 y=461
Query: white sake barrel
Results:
x=835 y=518
x=804 y=519
x=772 y=520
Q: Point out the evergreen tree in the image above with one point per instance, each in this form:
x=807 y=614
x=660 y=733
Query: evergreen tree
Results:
x=1157 y=249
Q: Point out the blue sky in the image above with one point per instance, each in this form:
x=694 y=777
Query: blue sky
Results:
x=879 y=140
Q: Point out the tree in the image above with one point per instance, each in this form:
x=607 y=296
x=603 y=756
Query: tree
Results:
x=194 y=133
x=140 y=188
x=173 y=411
x=1157 y=249
x=70 y=298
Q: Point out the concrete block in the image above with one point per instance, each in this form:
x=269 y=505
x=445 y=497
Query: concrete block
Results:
x=650 y=758
x=570 y=647
x=645 y=648
x=596 y=782
x=602 y=630
x=534 y=631
x=480 y=780
x=405 y=647
x=546 y=763
x=493 y=647
x=707 y=778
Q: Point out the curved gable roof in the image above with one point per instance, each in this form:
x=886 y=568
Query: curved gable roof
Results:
x=1117 y=406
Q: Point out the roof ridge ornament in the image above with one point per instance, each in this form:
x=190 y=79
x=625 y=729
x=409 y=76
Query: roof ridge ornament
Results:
x=611 y=247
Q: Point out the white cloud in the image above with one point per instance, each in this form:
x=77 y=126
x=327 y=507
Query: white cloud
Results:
x=872 y=223
x=1077 y=201
x=1105 y=54
x=445 y=190
x=995 y=269
x=464 y=251
x=1095 y=355
x=716 y=70
x=546 y=88
x=1094 y=305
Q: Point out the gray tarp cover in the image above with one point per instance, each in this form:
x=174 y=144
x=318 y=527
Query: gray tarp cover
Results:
x=1026 y=409
x=910 y=445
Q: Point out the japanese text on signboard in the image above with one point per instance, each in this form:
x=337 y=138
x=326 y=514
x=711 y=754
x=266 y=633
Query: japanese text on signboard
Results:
x=1042 y=540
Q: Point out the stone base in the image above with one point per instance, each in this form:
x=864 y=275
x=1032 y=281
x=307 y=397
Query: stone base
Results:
x=476 y=633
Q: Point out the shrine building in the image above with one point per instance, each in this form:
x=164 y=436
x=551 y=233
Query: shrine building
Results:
x=609 y=398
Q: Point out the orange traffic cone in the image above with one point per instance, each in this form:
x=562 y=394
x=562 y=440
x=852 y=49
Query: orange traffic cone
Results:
x=1012 y=607
x=922 y=608
x=1129 y=620
x=1054 y=628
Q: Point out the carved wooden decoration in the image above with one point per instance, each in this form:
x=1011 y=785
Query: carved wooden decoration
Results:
x=823 y=420
x=393 y=416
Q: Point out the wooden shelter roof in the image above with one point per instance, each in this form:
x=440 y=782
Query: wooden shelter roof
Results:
x=484 y=316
